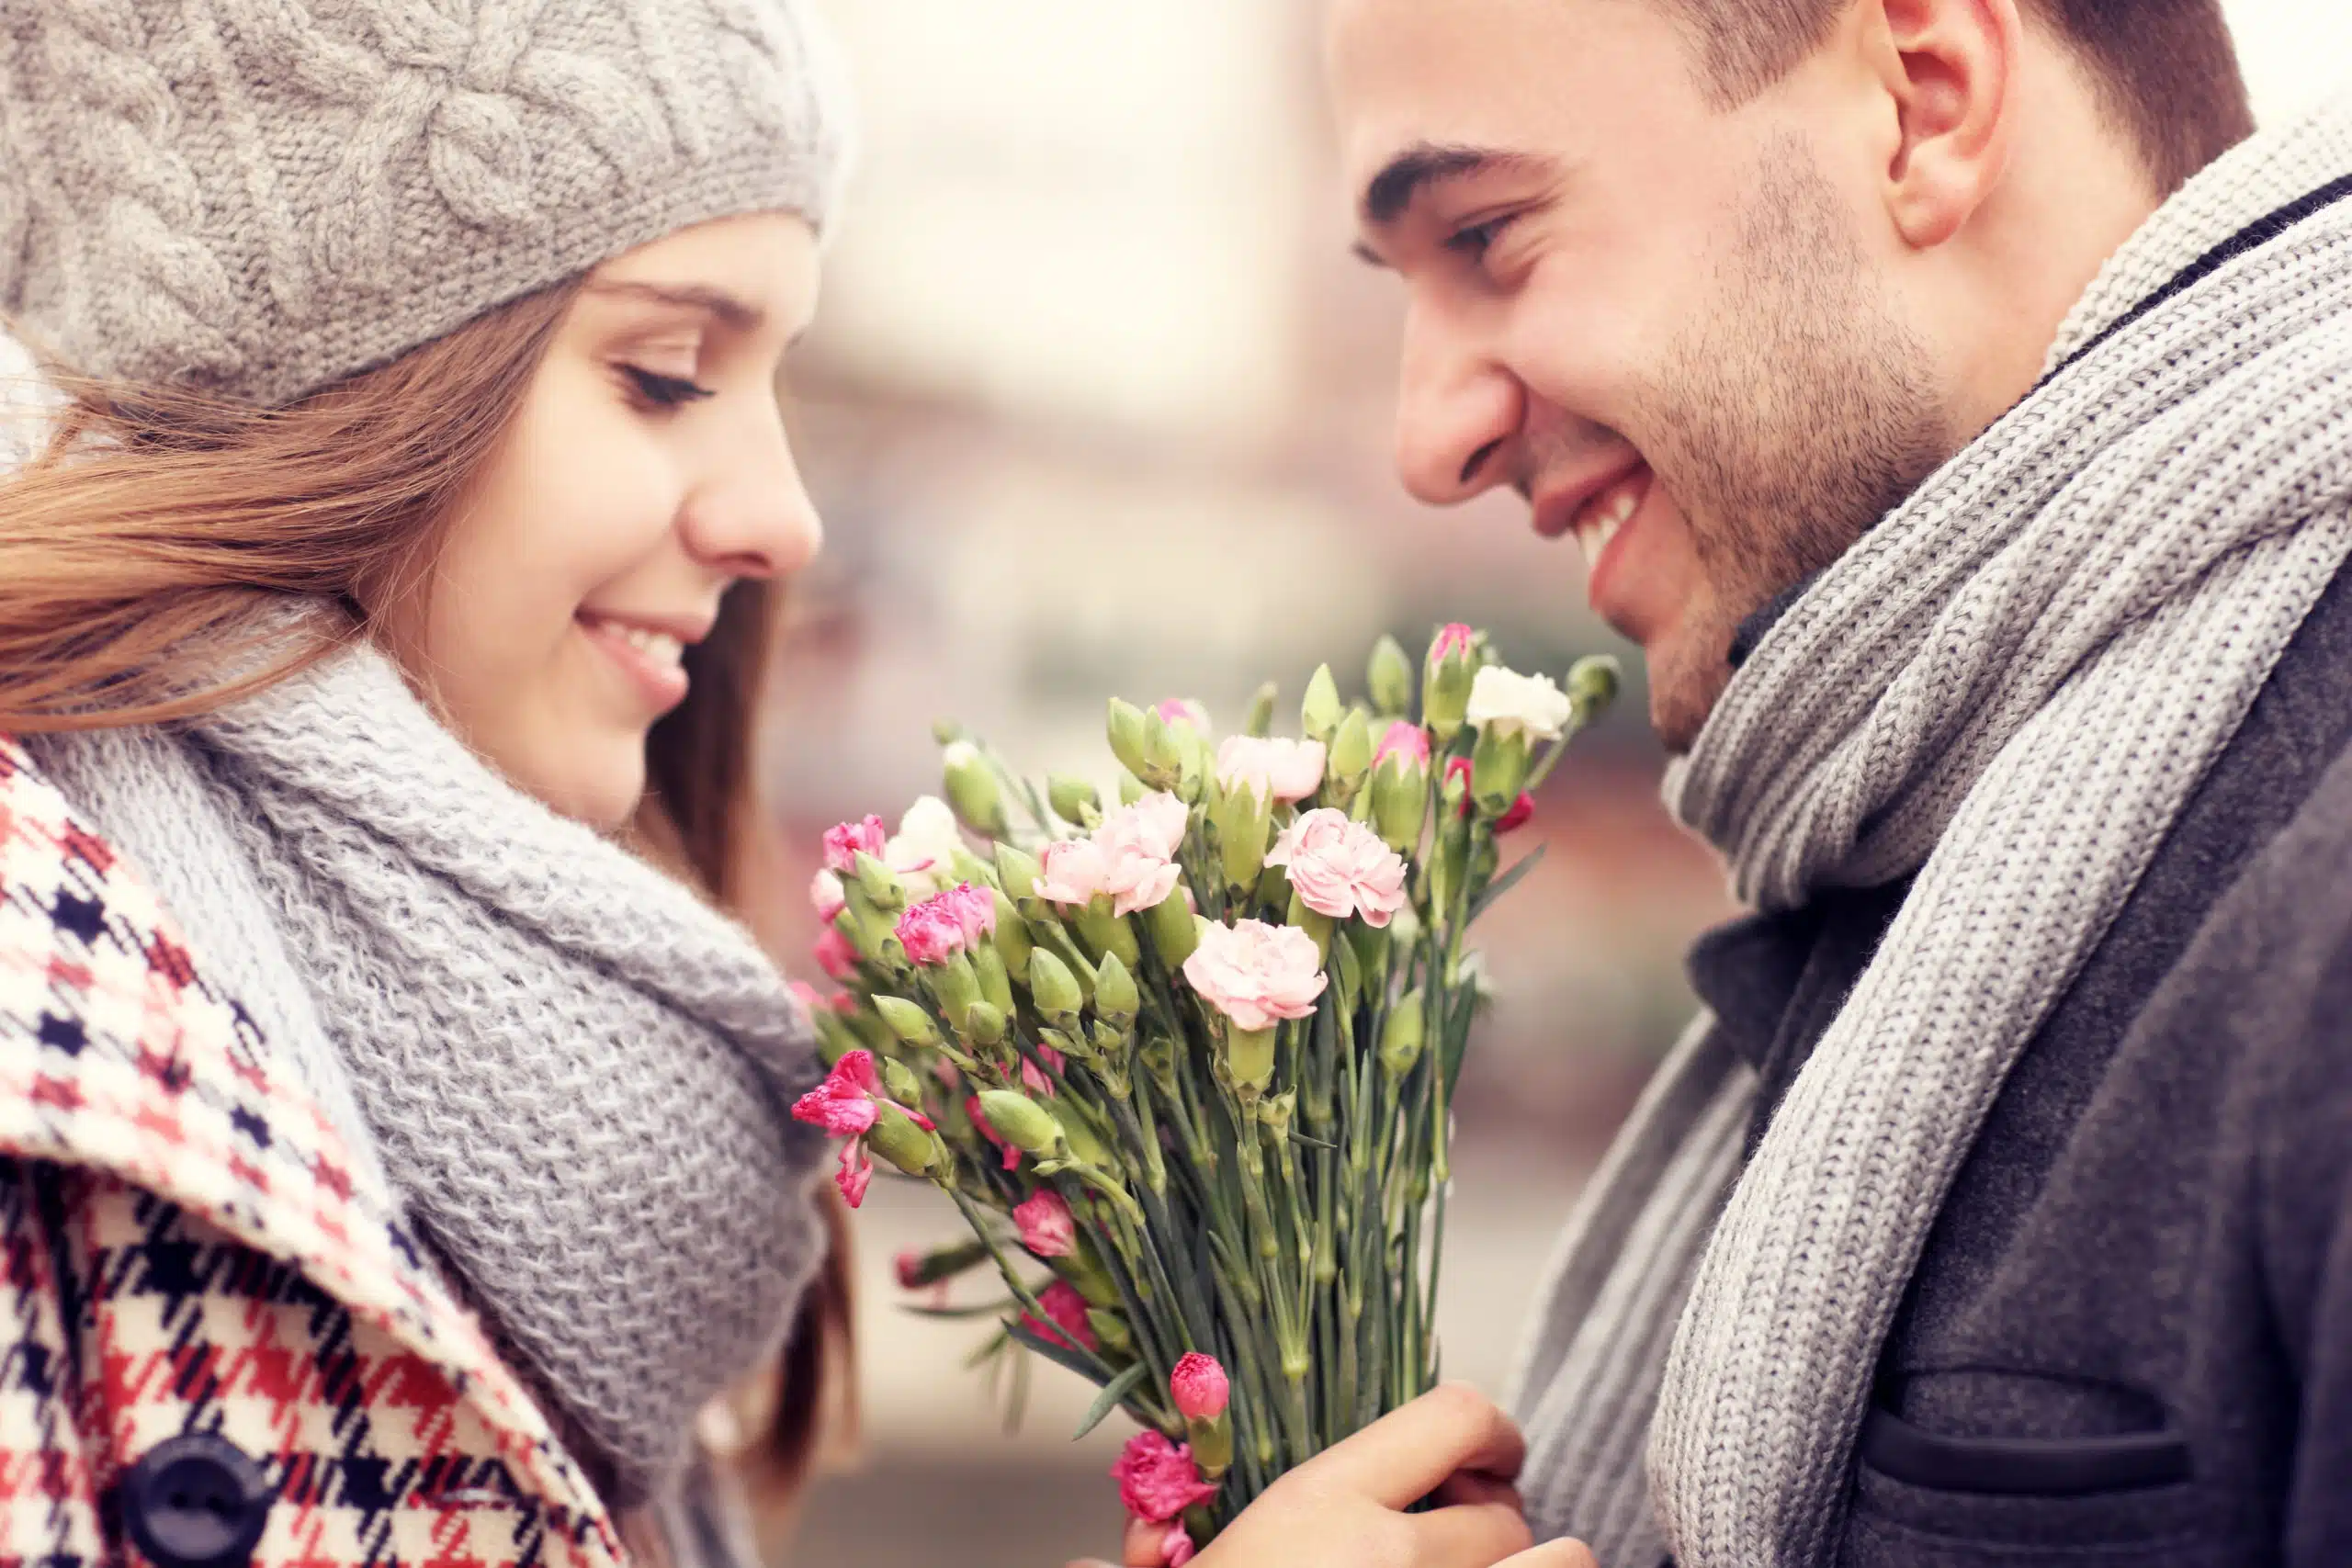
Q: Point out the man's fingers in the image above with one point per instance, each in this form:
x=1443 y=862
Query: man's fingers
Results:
x=1553 y=1554
x=1469 y=1535
x=1405 y=1455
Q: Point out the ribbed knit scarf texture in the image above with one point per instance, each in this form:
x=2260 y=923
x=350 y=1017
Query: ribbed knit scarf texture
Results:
x=576 y=1075
x=2010 y=685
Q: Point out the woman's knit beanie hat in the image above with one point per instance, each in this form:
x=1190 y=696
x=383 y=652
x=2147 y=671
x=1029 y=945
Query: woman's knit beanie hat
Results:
x=263 y=197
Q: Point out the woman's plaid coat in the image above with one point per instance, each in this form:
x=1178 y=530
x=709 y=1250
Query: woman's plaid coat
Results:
x=217 y=1343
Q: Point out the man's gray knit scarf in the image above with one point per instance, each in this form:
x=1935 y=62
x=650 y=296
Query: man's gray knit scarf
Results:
x=576 y=1076
x=2010 y=685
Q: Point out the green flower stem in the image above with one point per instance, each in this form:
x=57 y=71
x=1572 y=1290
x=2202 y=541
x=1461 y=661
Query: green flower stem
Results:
x=1014 y=1282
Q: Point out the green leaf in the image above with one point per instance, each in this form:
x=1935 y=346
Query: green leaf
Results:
x=1117 y=1389
x=1503 y=884
x=987 y=1309
x=1298 y=1137
x=1060 y=1355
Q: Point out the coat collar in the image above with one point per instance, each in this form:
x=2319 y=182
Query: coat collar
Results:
x=118 y=1054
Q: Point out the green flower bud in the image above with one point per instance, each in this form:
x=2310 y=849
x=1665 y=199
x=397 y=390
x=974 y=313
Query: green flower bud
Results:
x=1074 y=800
x=1085 y=1143
x=1244 y=824
x=969 y=867
x=1259 y=721
x=1592 y=685
x=996 y=984
x=1115 y=997
x=1110 y=1330
x=897 y=1138
x=1131 y=789
x=1159 y=1059
x=1055 y=990
x=973 y=789
x=1390 y=678
x=1106 y=933
x=1126 y=729
x=947 y=731
x=1350 y=758
x=1318 y=715
x=1498 y=770
x=956 y=986
x=1175 y=930
x=1249 y=1057
x=1163 y=756
x=1017 y=872
x=834 y=1037
x=899 y=1080
x=909 y=1022
x=1013 y=942
x=1445 y=689
x=984 y=1025
x=880 y=883
x=1401 y=803
x=1022 y=1122
x=1401 y=1041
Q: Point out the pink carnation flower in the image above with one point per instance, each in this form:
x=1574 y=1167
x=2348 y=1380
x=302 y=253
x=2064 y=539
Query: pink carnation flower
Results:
x=1256 y=973
x=1285 y=770
x=1406 y=741
x=940 y=928
x=1047 y=1226
x=1340 y=868
x=1157 y=1480
x=843 y=844
x=846 y=1105
x=1200 y=1387
x=1187 y=711
x=1522 y=812
x=1452 y=639
x=1138 y=845
x=1073 y=872
x=1067 y=1310
x=836 y=954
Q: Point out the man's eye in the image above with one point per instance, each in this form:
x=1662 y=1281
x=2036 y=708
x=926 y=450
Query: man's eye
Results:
x=665 y=391
x=1474 y=242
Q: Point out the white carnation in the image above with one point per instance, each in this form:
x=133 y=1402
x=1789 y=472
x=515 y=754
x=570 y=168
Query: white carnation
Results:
x=1507 y=701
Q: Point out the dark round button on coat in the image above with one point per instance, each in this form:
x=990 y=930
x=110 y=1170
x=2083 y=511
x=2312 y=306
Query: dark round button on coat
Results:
x=196 y=1501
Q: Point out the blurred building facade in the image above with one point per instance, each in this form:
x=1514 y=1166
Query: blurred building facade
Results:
x=1099 y=404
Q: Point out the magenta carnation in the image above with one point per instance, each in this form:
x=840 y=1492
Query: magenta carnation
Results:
x=1157 y=1480
x=1200 y=1387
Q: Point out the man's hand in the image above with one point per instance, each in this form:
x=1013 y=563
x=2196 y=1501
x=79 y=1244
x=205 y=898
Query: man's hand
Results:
x=1344 y=1507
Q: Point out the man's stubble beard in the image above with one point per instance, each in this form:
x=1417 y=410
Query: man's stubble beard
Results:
x=1787 y=420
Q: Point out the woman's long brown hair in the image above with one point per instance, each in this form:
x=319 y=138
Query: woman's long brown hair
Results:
x=142 y=549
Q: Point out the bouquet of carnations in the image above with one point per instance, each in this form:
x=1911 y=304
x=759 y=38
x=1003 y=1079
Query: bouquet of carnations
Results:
x=1184 y=1061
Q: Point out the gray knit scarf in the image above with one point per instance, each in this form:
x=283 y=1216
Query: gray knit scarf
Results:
x=2010 y=686
x=576 y=1076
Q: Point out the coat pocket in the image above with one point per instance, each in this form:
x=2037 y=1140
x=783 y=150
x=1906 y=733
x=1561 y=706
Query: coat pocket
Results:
x=2123 y=1500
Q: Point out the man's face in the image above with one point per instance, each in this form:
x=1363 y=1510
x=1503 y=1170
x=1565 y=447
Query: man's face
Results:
x=1663 y=322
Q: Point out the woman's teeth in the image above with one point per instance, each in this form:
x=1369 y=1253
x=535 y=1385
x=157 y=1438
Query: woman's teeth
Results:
x=1605 y=515
x=659 y=647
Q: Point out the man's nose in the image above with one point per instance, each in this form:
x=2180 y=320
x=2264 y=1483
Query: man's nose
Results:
x=1458 y=412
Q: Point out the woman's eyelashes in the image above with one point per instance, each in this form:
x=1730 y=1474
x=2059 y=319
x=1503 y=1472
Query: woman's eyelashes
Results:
x=661 y=391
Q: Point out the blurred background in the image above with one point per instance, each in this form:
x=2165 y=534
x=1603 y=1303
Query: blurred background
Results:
x=1099 y=404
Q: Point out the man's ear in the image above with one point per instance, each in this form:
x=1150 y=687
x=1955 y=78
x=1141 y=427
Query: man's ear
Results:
x=1951 y=69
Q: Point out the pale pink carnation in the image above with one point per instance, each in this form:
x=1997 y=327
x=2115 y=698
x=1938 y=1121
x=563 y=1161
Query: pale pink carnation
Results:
x=1067 y=1309
x=1185 y=710
x=974 y=911
x=1073 y=872
x=1047 y=1226
x=1340 y=868
x=1284 y=770
x=1256 y=973
x=1138 y=845
x=1200 y=1387
x=836 y=954
x=828 y=896
x=1157 y=1480
x=1406 y=741
x=843 y=844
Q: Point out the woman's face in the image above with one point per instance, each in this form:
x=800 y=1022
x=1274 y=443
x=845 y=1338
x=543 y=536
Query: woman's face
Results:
x=647 y=471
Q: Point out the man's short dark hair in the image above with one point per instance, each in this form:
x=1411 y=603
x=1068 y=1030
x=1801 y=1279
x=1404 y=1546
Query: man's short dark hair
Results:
x=2167 y=71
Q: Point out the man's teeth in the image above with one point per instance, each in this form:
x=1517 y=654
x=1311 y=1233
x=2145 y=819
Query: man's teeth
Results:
x=1602 y=520
x=659 y=647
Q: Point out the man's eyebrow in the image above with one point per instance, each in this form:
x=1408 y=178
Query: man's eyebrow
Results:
x=1391 y=193
x=729 y=311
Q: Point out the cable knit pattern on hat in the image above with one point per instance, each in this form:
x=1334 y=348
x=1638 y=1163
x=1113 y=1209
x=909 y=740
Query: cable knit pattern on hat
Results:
x=263 y=197
x=576 y=1074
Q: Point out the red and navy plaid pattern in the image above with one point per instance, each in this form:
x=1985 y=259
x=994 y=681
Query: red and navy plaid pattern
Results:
x=187 y=1248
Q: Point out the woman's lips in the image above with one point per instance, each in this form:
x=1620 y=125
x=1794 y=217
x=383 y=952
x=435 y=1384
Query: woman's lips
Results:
x=652 y=660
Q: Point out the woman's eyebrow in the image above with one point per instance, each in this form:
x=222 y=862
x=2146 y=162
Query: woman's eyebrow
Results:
x=735 y=315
